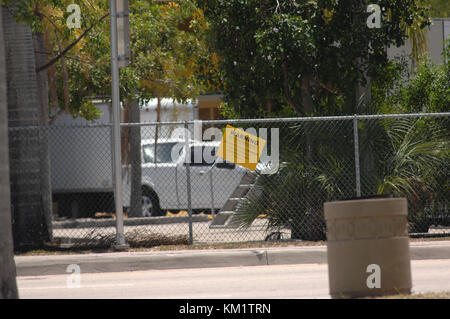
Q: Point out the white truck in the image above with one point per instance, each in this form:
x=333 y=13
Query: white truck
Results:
x=81 y=173
x=165 y=179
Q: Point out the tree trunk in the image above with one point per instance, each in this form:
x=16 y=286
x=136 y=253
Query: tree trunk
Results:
x=308 y=104
x=363 y=93
x=8 y=285
x=136 y=163
x=286 y=87
x=42 y=82
x=29 y=224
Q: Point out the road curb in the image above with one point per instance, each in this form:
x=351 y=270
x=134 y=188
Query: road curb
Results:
x=132 y=261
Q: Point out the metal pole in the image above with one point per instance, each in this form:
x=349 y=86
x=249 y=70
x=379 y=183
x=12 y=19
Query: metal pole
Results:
x=188 y=181
x=116 y=145
x=211 y=188
x=357 y=168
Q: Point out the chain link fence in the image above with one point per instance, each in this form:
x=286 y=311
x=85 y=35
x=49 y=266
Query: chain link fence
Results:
x=177 y=191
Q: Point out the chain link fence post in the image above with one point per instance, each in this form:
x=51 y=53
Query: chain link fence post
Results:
x=188 y=180
x=357 y=167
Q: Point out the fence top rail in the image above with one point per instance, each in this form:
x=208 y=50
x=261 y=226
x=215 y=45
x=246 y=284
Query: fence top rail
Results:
x=292 y=119
x=64 y=126
x=243 y=121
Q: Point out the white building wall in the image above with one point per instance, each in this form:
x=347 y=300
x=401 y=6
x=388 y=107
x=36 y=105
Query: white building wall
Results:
x=171 y=111
x=438 y=32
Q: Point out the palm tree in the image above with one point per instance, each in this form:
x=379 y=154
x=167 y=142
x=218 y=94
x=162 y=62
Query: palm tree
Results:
x=313 y=170
x=8 y=286
x=417 y=37
x=410 y=159
x=416 y=33
x=415 y=165
x=31 y=224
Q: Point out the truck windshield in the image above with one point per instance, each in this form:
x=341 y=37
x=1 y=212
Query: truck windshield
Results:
x=163 y=153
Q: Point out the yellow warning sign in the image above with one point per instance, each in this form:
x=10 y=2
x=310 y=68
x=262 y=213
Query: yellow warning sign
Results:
x=240 y=147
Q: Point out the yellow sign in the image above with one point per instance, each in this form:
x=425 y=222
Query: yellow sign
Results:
x=241 y=148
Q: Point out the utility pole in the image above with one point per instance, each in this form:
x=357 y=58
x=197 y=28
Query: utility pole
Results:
x=115 y=103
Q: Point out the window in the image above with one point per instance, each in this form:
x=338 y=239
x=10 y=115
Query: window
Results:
x=163 y=153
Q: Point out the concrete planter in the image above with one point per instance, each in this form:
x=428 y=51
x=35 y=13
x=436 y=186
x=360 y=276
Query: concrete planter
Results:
x=368 y=247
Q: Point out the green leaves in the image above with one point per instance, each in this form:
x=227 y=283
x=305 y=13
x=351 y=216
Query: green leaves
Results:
x=170 y=57
x=438 y=8
x=269 y=47
x=406 y=157
x=418 y=149
x=425 y=90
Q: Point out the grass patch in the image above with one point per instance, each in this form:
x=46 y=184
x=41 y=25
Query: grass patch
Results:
x=135 y=239
x=96 y=242
x=141 y=242
x=242 y=245
x=428 y=295
x=153 y=242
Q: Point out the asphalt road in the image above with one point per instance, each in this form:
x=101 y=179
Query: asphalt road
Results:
x=257 y=282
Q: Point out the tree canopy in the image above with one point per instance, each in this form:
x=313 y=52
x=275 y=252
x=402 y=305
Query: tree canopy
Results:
x=427 y=89
x=302 y=57
x=439 y=8
x=170 y=57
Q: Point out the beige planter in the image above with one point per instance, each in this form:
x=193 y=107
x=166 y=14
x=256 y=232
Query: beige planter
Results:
x=368 y=247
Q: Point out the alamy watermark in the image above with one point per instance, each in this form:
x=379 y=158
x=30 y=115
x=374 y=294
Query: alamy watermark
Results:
x=74 y=279
x=374 y=279
x=374 y=19
x=74 y=19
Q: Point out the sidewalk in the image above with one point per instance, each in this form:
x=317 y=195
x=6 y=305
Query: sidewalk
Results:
x=135 y=261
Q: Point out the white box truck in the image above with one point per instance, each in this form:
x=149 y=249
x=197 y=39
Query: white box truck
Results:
x=82 y=172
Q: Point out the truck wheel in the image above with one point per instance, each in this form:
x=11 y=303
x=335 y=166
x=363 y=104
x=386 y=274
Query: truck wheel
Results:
x=150 y=204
